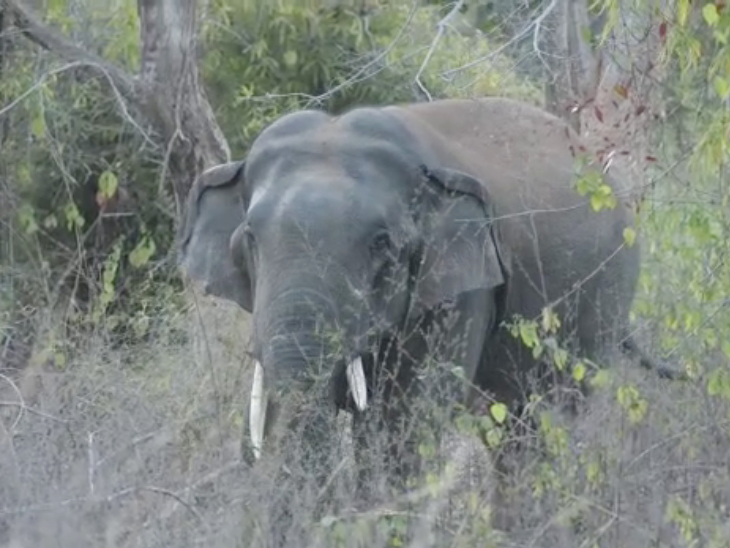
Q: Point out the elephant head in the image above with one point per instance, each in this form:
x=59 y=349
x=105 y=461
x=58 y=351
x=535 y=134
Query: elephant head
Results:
x=338 y=224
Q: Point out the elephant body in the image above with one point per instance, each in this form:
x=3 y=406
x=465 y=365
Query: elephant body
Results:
x=557 y=249
x=399 y=226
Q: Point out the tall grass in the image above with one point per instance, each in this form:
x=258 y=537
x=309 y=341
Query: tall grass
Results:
x=139 y=446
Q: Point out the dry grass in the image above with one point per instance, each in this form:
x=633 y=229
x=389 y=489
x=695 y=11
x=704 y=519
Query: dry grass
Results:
x=140 y=447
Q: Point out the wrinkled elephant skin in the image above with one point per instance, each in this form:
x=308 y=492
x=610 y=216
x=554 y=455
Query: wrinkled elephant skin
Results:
x=388 y=225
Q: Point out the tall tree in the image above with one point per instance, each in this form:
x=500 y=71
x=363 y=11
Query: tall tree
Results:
x=165 y=94
x=604 y=75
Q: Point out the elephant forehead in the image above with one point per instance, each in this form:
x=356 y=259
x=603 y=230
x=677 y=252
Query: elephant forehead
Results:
x=330 y=205
x=289 y=178
x=318 y=211
x=354 y=146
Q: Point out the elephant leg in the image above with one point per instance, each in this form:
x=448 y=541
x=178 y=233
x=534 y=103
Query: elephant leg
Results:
x=603 y=324
x=631 y=348
x=451 y=336
x=384 y=438
x=311 y=449
x=362 y=450
x=301 y=454
x=400 y=391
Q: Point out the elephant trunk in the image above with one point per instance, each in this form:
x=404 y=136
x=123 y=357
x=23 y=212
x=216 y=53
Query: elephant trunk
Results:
x=299 y=352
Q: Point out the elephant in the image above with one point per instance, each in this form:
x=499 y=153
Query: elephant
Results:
x=397 y=226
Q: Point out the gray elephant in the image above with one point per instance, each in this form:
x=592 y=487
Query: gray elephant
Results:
x=413 y=231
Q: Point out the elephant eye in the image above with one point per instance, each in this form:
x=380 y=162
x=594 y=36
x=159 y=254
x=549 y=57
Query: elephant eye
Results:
x=250 y=239
x=381 y=243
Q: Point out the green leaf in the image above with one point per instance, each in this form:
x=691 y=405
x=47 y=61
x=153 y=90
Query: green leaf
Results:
x=579 y=372
x=290 y=58
x=59 y=359
x=682 y=11
x=596 y=202
x=629 y=236
x=108 y=184
x=560 y=356
x=143 y=252
x=718 y=382
x=74 y=220
x=26 y=218
x=499 y=412
x=600 y=379
x=588 y=183
x=594 y=473
x=528 y=334
x=23 y=175
x=494 y=437
x=38 y=125
x=50 y=222
x=537 y=350
x=633 y=403
x=709 y=12
x=603 y=198
x=722 y=87
x=550 y=320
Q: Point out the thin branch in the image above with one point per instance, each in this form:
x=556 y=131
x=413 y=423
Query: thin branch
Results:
x=49 y=39
x=354 y=78
x=178 y=498
x=91 y=461
x=122 y=84
x=123 y=107
x=20 y=403
x=538 y=20
x=30 y=410
x=441 y=29
x=537 y=23
x=37 y=86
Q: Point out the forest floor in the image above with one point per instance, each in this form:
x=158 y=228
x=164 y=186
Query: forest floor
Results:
x=130 y=447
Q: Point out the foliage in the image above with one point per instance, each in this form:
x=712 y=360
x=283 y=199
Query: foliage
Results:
x=87 y=248
x=686 y=279
x=271 y=58
x=87 y=180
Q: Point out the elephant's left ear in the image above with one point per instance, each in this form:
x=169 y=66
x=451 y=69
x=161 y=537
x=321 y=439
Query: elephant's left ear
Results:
x=215 y=209
x=462 y=251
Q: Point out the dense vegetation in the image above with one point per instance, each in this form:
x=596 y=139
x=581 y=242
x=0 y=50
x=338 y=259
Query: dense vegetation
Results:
x=119 y=423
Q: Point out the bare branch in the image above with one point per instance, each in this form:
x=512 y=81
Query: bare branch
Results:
x=441 y=28
x=363 y=73
x=356 y=76
x=77 y=64
x=167 y=92
x=172 y=94
x=537 y=21
x=20 y=98
x=160 y=491
x=50 y=40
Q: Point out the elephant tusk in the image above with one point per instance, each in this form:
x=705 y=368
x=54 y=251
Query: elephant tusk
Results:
x=257 y=410
x=357 y=383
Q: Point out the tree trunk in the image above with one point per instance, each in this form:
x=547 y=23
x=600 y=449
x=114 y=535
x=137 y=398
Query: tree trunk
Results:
x=608 y=93
x=165 y=99
x=165 y=95
x=171 y=95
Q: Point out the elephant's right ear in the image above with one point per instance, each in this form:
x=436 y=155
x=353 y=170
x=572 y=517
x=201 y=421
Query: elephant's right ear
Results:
x=215 y=208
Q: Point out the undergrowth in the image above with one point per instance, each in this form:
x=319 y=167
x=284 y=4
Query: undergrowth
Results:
x=140 y=445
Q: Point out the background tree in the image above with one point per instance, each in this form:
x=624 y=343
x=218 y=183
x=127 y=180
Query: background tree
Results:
x=121 y=401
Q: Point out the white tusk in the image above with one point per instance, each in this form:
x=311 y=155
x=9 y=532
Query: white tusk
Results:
x=257 y=410
x=357 y=383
